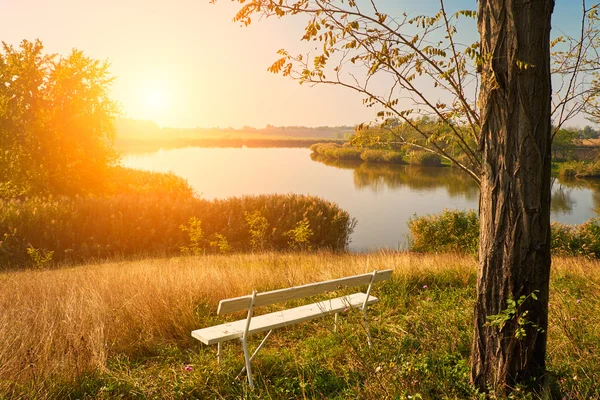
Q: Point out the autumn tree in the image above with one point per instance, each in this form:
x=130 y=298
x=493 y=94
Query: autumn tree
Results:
x=493 y=103
x=56 y=122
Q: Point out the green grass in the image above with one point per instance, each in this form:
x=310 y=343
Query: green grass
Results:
x=143 y=312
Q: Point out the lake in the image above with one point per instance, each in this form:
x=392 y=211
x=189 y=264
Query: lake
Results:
x=381 y=197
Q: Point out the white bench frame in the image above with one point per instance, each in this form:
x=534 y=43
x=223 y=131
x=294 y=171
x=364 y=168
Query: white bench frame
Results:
x=268 y=322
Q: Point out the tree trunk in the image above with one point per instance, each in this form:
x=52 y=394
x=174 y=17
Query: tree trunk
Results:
x=514 y=250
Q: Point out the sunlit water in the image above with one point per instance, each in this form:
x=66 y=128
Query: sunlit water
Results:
x=381 y=197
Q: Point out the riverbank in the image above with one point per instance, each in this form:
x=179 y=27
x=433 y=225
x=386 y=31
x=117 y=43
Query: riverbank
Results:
x=122 y=329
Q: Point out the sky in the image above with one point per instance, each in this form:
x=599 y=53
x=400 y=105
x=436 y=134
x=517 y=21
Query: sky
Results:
x=185 y=63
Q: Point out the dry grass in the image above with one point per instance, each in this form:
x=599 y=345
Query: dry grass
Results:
x=63 y=322
x=59 y=324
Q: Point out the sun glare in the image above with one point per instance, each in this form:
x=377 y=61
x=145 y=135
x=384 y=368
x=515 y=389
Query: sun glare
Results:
x=155 y=99
x=152 y=98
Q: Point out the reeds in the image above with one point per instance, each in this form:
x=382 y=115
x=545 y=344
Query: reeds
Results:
x=149 y=223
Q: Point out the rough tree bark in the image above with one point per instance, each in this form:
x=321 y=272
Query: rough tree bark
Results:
x=514 y=251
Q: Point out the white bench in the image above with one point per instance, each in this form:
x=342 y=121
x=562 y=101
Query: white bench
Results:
x=242 y=329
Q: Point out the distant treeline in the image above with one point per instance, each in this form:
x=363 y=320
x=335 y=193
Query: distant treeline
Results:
x=135 y=145
x=148 y=130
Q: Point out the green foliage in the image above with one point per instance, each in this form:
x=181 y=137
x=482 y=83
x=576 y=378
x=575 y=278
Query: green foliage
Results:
x=563 y=144
x=221 y=243
x=580 y=169
x=589 y=133
x=258 y=226
x=39 y=257
x=300 y=236
x=449 y=231
x=458 y=231
x=370 y=155
x=514 y=312
x=581 y=239
x=196 y=234
x=124 y=225
x=394 y=157
x=425 y=159
x=56 y=122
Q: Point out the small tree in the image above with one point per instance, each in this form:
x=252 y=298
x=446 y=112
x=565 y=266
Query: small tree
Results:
x=563 y=144
x=196 y=236
x=299 y=237
x=258 y=226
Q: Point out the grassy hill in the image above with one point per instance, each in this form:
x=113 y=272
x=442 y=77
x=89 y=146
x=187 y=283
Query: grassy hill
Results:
x=122 y=330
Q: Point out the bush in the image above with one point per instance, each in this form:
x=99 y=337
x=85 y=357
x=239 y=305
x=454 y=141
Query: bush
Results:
x=580 y=169
x=425 y=158
x=449 y=231
x=458 y=231
x=574 y=240
x=394 y=157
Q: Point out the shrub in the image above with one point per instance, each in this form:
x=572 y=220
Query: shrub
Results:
x=564 y=239
x=258 y=226
x=574 y=240
x=425 y=158
x=300 y=236
x=370 y=155
x=458 y=231
x=394 y=157
x=580 y=169
x=449 y=231
x=196 y=234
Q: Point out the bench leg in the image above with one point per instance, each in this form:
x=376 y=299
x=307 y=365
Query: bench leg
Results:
x=367 y=328
x=219 y=352
x=335 y=322
x=247 y=358
x=255 y=352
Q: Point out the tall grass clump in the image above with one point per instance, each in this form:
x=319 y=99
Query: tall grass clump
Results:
x=334 y=151
x=98 y=227
x=325 y=149
x=346 y=153
x=449 y=231
x=425 y=159
x=372 y=155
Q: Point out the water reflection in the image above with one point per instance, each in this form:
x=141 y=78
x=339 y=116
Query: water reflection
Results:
x=570 y=184
x=382 y=197
x=379 y=177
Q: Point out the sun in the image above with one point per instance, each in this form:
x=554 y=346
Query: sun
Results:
x=155 y=98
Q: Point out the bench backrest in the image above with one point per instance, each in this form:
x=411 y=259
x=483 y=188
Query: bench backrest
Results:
x=300 y=292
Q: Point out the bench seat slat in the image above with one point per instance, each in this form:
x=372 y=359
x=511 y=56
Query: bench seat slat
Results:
x=299 y=292
x=278 y=319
